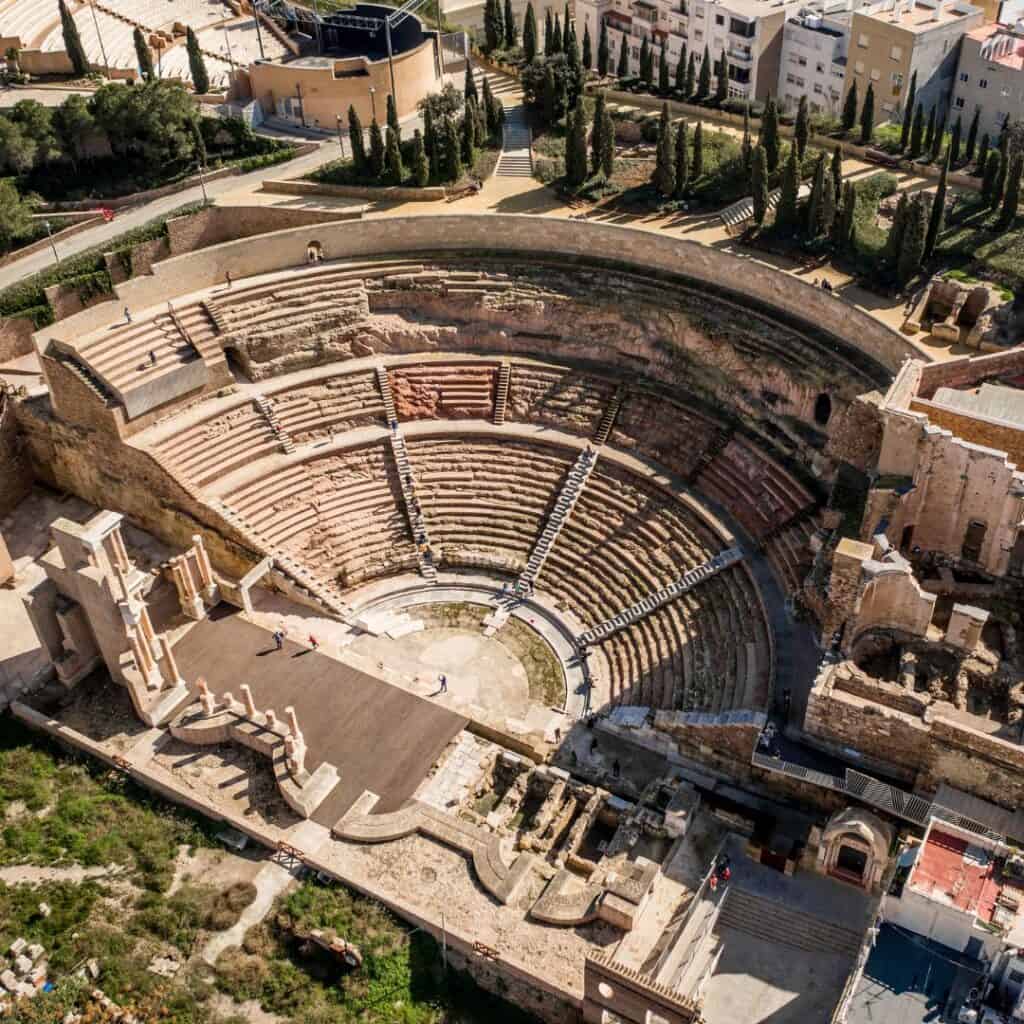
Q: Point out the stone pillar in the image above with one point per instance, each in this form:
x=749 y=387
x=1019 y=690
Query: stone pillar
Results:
x=122 y=580
x=202 y=560
x=170 y=664
x=229 y=702
x=120 y=559
x=191 y=601
x=6 y=563
x=205 y=697
x=250 y=704
x=293 y=722
x=146 y=625
x=271 y=719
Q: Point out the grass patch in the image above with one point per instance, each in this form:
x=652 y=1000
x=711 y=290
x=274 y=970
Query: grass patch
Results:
x=544 y=674
x=974 y=246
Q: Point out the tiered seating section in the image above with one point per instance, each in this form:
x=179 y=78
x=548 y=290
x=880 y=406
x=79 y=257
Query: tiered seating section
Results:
x=340 y=513
x=28 y=20
x=330 y=406
x=558 y=397
x=445 y=391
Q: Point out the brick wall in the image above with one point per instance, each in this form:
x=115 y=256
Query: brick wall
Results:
x=969 y=370
x=1004 y=437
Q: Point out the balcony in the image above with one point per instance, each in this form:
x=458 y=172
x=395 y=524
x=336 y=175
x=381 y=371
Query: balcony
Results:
x=743 y=56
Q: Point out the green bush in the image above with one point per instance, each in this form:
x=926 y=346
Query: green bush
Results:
x=255 y=163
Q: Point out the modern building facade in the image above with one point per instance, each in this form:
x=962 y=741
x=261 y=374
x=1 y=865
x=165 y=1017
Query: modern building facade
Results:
x=888 y=44
x=990 y=77
x=813 y=64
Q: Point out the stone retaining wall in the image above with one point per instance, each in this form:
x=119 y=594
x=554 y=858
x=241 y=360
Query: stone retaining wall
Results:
x=15 y=472
x=428 y=194
x=15 y=337
x=84 y=221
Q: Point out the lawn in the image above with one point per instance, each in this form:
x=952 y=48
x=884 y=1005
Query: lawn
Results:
x=973 y=243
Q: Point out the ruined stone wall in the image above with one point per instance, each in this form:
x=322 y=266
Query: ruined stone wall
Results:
x=15 y=337
x=956 y=373
x=15 y=469
x=1003 y=436
x=856 y=437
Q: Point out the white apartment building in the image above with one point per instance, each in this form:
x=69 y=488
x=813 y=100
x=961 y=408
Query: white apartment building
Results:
x=815 y=42
x=990 y=77
x=749 y=31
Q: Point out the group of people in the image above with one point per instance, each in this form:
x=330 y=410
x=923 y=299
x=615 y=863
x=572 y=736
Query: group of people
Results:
x=280 y=634
x=824 y=284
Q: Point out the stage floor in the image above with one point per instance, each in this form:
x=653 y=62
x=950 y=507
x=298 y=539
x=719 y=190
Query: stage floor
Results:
x=378 y=736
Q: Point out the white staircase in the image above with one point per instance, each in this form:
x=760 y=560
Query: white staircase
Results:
x=501 y=399
x=516 y=160
x=575 y=481
x=604 y=428
x=267 y=412
x=635 y=612
x=413 y=512
x=743 y=209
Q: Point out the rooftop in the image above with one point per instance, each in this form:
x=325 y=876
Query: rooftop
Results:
x=1000 y=44
x=994 y=401
x=919 y=16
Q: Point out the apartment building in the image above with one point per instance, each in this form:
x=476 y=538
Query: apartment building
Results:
x=889 y=43
x=990 y=77
x=813 y=63
x=749 y=31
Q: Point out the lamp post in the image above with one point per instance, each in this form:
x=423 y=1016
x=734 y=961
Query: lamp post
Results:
x=202 y=185
x=53 y=245
x=373 y=101
x=259 y=34
x=341 y=138
x=103 y=49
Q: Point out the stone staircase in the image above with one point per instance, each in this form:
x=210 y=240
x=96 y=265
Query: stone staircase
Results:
x=604 y=428
x=743 y=209
x=653 y=601
x=267 y=412
x=501 y=399
x=762 y=917
x=710 y=453
x=516 y=160
x=413 y=512
x=572 y=487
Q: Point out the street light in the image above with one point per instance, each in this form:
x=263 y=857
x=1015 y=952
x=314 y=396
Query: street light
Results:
x=373 y=101
x=202 y=185
x=99 y=36
x=341 y=140
x=53 y=246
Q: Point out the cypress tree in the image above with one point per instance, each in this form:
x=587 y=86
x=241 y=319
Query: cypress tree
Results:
x=972 y=136
x=649 y=66
x=196 y=64
x=770 y=134
x=144 y=55
x=894 y=241
x=420 y=167
x=681 y=69
x=814 y=204
x=645 y=57
x=549 y=34
x=663 y=78
x=722 y=80
x=982 y=155
x=929 y=135
x=802 y=127
x=938 y=211
x=697 y=168
x=468 y=89
x=786 y=213
x=393 y=116
x=940 y=134
x=746 y=148
x=73 y=42
x=393 y=159
x=759 y=184
x=556 y=36
x=867 y=116
x=704 y=82
x=682 y=167
x=511 y=31
x=490 y=109
x=567 y=30
x=908 y=112
x=550 y=96
x=499 y=24
x=376 y=150
x=691 y=76
x=358 y=143
x=434 y=142
x=587 y=56
x=988 y=180
x=622 y=71
x=576 y=147
x=597 y=135
x=917 y=133
x=480 y=125
x=664 y=177
x=849 y=117
x=452 y=156
x=845 y=239
x=1001 y=175
x=607 y=145
x=603 y=55
x=954 y=141
x=912 y=249
x=837 y=173
x=1011 y=200
x=469 y=134
x=529 y=33
x=828 y=208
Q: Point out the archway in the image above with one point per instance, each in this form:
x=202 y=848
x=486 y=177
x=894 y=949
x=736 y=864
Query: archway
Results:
x=822 y=409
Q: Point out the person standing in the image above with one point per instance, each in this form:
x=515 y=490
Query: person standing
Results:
x=443 y=681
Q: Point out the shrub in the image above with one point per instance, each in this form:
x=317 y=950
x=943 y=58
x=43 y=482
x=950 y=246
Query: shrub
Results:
x=241 y=975
x=228 y=906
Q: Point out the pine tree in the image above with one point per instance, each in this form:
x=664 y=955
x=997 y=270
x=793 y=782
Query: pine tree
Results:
x=814 y=204
x=691 y=76
x=587 y=56
x=912 y=249
x=664 y=177
x=770 y=134
x=468 y=89
x=704 y=82
x=576 y=147
x=143 y=54
x=73 y=42
x=938 y=211
x=697 y=167
x=908 y=112
x=845 y=237
x=420 y=167
x=982 y=155
x=940 y=134
x=954 y=141
x=917 y=133
x=746 y=147
x=972 y=136
x=894 y=241
x=682 y=167
x=929 y=134
x=196 y=64
x=468 y=139
x=376 y=150
x=357 y=142
x=802 y=127
x=556 y=36
x=392 y=116
x=1011 y=200
x=663 y=77
x=452 y=156
x=988 y=181
x=867 y=116
x=722 y=81
x=849 y=118
x=837 y=173
x=1001 y=175
x=759 y=185
x=680 y=82
x=529 y=34
x=645 y=56
x=393 y=159
x=511 y=31
x=549 y=34
x=603 y=55
x=786 y=214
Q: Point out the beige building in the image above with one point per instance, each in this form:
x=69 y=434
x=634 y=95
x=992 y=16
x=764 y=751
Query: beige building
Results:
x=888 y=44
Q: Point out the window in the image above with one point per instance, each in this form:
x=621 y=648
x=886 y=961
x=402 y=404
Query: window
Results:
x=964 y=77
x=959 y=103
x=802 y=61
x=818 y=89
x=741 y=28
x=719 y=19
x=699 y=12
x=982 y=83
x=820 y=68
x=875 y=76
x=698 y=35
x=896 y=53
x=1004 y=92
x=635 y=53
x=858 y=68
x=863 y=41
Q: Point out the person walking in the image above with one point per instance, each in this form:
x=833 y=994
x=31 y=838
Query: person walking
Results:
x=278 y=639
x=127 y=315
x=443 y=682
x=313 y=642
x=227 y=277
